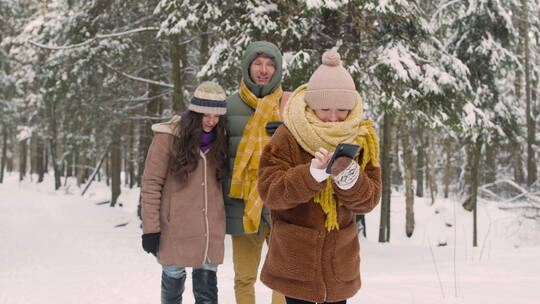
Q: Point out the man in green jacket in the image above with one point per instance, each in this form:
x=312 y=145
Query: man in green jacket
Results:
x=252 y=113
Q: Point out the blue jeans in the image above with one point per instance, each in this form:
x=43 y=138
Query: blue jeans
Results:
x=173 y=279
x=178 y=272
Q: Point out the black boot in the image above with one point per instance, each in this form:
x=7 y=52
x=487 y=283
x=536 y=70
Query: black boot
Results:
x=205 y=286
x=171 y=289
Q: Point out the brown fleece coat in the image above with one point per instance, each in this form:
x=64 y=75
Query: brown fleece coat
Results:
x=304 y=260
x=190 y=216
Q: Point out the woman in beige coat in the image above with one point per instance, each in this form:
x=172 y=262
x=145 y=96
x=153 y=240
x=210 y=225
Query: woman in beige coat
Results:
x=182 y=203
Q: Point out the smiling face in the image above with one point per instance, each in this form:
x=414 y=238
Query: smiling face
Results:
x=332 y=115
x=262 y=69
x=209 y=121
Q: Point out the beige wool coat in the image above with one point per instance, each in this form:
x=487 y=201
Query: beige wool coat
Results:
x=190 y=216
x=304 y=260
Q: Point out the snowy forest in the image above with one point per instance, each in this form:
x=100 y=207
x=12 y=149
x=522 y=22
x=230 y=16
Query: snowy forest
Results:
x=452 y=86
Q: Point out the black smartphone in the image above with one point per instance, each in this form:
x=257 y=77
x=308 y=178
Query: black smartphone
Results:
x=343 y=149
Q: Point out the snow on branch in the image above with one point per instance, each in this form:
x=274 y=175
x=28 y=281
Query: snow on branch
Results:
x=143 y=117
x=64 y=47
x=159 y=83
x=139 y=99
x=525 y=197
x=435 y=15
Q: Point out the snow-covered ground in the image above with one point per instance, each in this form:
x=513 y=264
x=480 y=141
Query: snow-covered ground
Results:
x=59 y=247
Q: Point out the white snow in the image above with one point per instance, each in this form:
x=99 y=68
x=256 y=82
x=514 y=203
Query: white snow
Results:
x=23 y=132
x=330 y=4
x=59 y=247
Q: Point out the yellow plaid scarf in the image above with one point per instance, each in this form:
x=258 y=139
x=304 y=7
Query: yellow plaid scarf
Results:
x=248 y=155
x=312 y=133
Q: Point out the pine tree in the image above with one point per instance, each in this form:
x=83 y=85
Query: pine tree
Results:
x=482 y=35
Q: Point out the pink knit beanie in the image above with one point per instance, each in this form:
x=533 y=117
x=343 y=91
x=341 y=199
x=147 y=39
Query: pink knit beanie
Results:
x=331 y=86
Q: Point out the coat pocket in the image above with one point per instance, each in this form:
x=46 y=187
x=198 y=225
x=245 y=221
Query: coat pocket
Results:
x=346 y=258
x=292 y=252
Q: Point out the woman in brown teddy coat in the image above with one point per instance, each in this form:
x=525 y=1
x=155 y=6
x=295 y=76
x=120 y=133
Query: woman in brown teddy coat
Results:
x=314 y=251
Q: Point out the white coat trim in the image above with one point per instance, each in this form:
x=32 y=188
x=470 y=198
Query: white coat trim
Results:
x=207 y=231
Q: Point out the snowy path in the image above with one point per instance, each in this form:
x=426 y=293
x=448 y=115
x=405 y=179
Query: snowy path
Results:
x=65 y=249
x=57 y=248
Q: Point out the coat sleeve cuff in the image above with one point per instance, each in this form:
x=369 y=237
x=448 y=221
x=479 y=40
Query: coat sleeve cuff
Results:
x=319 y=175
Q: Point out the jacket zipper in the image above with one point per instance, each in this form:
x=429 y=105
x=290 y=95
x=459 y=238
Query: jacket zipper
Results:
x=207 y=232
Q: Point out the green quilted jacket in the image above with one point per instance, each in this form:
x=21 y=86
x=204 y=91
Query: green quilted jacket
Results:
x=238 y=114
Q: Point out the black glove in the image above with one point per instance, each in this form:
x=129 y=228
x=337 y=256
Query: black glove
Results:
x=150 y=242
x=272 y=126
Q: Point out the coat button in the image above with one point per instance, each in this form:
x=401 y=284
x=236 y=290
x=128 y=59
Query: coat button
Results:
x=202 y=184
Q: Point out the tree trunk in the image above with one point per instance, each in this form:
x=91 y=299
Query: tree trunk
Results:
x=515 y=148
x=131 y=154
x=80 y=165
x=430 y=169
x=178 y=55
x=45 y=157
x=4 y=152
x=490 y=173
x=22 y=158
x=56 y=166
x=531 y=124
x=397 y=177
x=474 y=188
x=125 y=159
x=32 y=148
x=53 y=141
x=96 y=171
x=144 y=143
x=40 y=158
x=9 y=162
x=474 y=149
x=386 y=160
x=408 y=173
x=72 y=161
x=516 y=152
x=420 y=160
x=447 y=169
x=144 y=133
x=116 y=166
x=205 y=42
x=108 y=169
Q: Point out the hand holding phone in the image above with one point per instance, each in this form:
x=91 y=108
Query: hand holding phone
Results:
x=321 y=159
x=343 y=150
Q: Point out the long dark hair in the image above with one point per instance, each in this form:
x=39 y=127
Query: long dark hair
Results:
x=186 y=146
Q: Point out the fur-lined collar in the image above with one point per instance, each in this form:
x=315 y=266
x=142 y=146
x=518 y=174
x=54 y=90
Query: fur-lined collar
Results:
x=167 y=127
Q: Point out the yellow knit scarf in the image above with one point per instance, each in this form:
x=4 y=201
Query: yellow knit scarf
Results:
x=312 y=133
x=248 y=155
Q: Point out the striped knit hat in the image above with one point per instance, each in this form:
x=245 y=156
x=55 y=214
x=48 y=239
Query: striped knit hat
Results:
x=208 y=98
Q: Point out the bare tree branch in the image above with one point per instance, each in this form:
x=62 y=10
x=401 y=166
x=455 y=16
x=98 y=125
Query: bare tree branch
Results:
x=159 y=83
x=72 y=46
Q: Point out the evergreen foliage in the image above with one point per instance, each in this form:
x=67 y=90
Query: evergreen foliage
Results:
x=73 y=71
